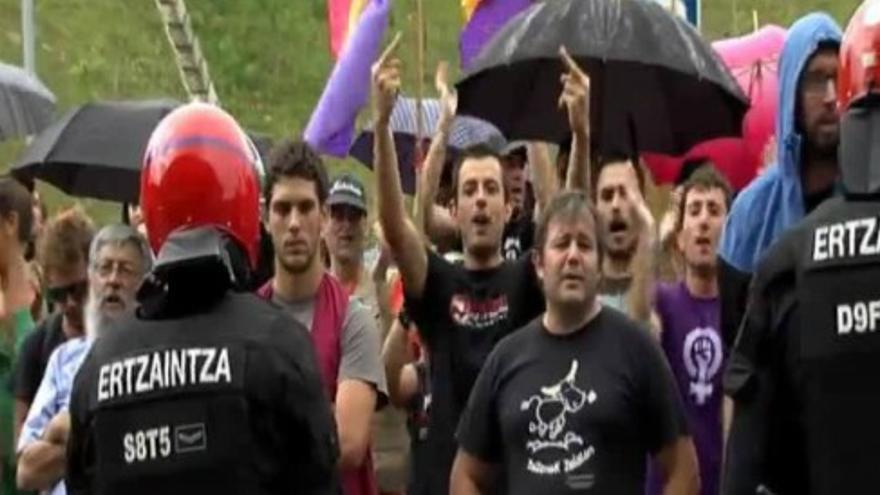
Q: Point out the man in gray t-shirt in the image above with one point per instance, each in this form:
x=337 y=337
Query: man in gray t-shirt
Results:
x=296 y=193
x=361 y=351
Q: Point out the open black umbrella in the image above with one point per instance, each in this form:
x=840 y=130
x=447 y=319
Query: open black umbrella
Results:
x=656 y=85
x=95 y=150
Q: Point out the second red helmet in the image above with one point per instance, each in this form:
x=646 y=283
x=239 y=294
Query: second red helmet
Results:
x=859 y=72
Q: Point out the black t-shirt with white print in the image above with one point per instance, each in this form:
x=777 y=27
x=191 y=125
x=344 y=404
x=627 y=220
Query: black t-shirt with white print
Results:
x=461 y=315
x=575 y=413
x=516 y=241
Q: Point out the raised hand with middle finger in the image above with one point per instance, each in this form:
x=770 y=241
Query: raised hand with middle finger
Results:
x=386 y=81
x=575 y=96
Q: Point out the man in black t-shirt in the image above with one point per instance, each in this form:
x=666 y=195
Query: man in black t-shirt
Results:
x=578 y=399
x=461 y=311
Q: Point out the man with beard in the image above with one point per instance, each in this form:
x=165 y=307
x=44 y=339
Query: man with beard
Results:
x=579 y=398
x=462 y=311
x=807 y=132
x=804 y=368
x=689 y=313
x=628 y=232
x=343 y=330
x=118 y=260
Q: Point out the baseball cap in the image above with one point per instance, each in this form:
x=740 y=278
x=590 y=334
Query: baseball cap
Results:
x=348 y=190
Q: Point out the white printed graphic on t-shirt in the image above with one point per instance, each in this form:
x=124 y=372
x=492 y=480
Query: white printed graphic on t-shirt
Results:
x=564 y=450
x=512 y=248
x=478 y=314
x=702 y=358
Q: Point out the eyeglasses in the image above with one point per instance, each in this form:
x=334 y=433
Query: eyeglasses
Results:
x=816 y=83
x=77 y=290
x=346 y=213
x=125 y=270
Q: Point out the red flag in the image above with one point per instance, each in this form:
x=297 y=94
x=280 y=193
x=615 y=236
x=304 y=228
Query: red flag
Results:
x=342 y=15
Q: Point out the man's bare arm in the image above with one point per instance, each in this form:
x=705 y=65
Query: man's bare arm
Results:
x=470 y=475
x=438 y=227
x=41 y=465
x=544 y=177
x=396 y=356
x=640 y=299
x=400 y=233
x=576 y=98
x=678 y=461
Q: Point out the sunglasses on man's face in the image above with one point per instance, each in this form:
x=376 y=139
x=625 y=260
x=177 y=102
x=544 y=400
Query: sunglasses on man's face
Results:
x=77 y=290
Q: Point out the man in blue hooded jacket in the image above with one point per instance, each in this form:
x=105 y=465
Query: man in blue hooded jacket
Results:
x=805 y=173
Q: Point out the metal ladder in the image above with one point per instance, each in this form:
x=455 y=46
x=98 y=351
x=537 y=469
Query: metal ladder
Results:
x=190 y=60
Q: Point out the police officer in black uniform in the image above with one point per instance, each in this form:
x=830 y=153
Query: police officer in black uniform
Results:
x=206 y=390
x=805 y=366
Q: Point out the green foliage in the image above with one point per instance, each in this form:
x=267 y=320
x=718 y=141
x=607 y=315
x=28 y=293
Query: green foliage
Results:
x=269 y=58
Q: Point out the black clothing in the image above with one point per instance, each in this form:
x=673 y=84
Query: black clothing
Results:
x=224 y=399
x=417 y=423
x=584 y=411
x=804 y=365
x=461 y=315
x=34 y=356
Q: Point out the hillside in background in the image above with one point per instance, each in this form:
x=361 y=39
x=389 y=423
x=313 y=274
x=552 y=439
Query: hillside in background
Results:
x=269 y=58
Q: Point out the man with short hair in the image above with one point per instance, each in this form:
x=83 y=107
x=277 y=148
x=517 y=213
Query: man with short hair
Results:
x=520 y=229
x=579 y=398
x=690 y=322
x=345 y=236
x=343 y=330
x=628 y=231
x=118 y=260
x=461 y=311
x=807 y=134
x=439 y=224
x=63 y=252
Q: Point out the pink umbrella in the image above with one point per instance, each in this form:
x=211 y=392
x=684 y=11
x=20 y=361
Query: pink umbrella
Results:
x=752 y=60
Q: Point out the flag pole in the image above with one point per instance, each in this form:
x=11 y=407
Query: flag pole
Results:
x=419 y=154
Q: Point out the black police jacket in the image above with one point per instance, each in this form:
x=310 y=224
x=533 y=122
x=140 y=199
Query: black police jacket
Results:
x=803 y=369
x=223 y=400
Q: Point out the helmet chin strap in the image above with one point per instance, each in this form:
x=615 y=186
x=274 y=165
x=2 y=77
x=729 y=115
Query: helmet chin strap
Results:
x=859 y=152
x=193 y=271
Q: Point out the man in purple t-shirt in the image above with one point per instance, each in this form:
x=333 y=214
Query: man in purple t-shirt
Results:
x=689 y=312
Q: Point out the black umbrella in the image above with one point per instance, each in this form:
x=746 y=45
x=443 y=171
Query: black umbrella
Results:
x=95 y=150
x=656 y=85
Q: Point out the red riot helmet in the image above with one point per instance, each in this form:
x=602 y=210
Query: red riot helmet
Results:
x=859 y=73
x=200 y=170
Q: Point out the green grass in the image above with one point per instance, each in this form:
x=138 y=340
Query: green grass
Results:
x=269 y=58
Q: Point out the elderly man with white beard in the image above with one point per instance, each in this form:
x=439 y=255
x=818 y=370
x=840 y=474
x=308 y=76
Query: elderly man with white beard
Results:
x=119 y=258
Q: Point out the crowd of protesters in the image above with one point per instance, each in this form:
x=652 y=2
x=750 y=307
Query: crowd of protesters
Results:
x=535 y=329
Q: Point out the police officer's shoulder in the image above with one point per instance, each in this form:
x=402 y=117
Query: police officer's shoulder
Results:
x=782 y=256
x=270 y=319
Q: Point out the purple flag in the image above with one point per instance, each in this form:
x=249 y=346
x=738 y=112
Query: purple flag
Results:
x=489 y=17
x=331 y=128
